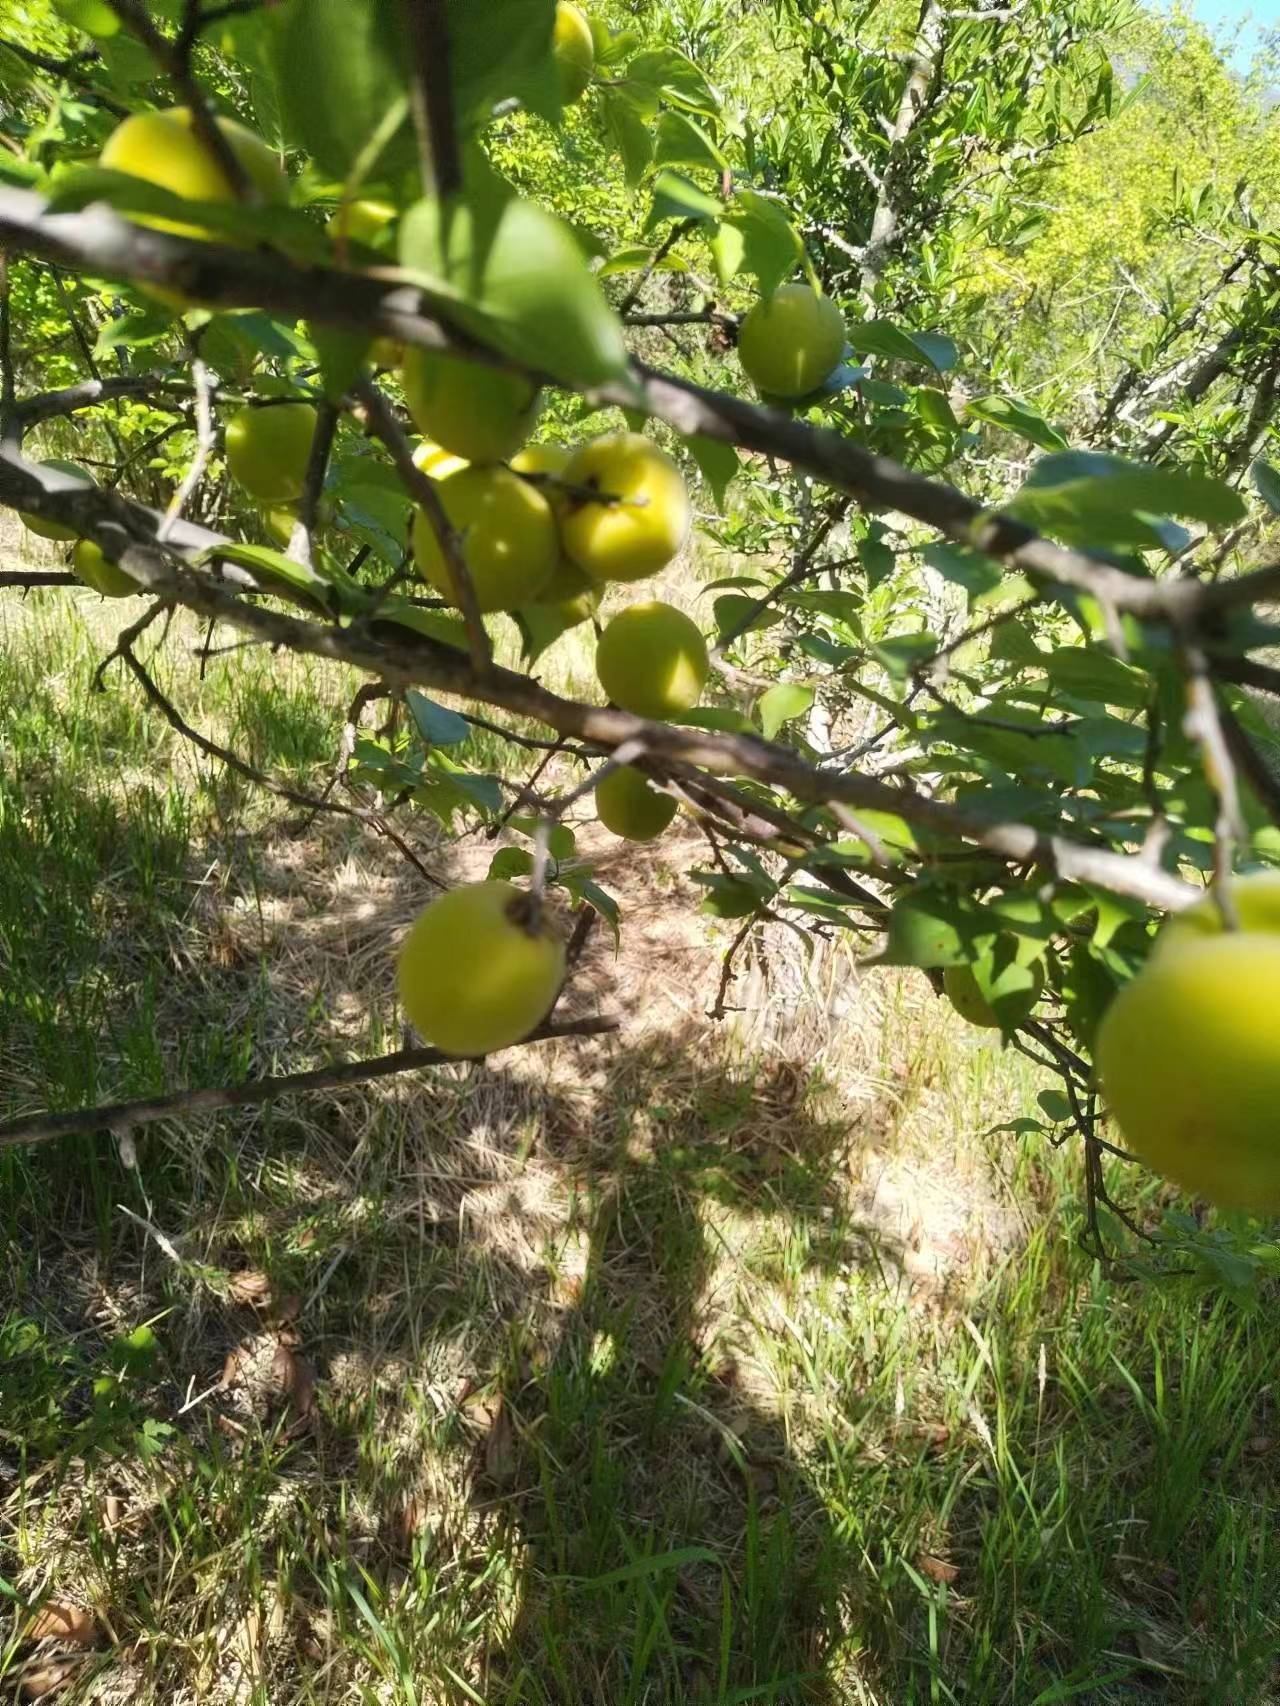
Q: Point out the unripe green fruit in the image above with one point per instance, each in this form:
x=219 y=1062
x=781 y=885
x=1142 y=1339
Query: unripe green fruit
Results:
x=54 y=529
x=643 y=516
x=1257 y=904
x=652 y=660
x=575 y=51
x=1189 y=1058
x=629 y=805
x=360 y=222
x=973 y=1000
x=163 y=148
x=475 y=411
x=574 y=595
x=472 y=976
x=100 y=573
x=791 y=341
x=268 y=448
x=507 y=533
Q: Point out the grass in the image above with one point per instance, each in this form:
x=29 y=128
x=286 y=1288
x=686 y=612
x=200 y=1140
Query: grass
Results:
x=709 y=1364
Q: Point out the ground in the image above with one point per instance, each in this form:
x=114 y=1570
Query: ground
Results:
x=711 y=1362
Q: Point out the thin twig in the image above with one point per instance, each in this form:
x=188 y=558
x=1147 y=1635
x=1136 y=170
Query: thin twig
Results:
x=296 y=796
x=8 y=384
x=174 y=57
x=206 y=442
x=303 y=533
x=427 y=30
x=116 y=1117
x=426 y=494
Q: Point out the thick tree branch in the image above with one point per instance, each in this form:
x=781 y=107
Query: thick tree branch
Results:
x=118 y=1117
x=88 y=393
x=99 y=241
x=401 y=659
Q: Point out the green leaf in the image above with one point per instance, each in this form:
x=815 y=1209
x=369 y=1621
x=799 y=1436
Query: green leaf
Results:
x=882 y=338
x=1266 y=481
x=732 y=609
x=722 y=718
x=1089 y=674
x=767 y=244
x=437 y=724
x=900 y=652
x=1055 y=1106
x=932 y=928
x=496 y=57
x=637 y=258
x=540 y=625
x=976 y=574
x=731 y=897
x=666 y=75
x=339 y=67
x=341 y=356
x=629 y=131
x=1090 y=497
x=521 y=276
x=677 y=197
x=1013 y=415
x=134 y=331
x=682 y=142
x=94 y=17
x=717 y=462
x=601 y=900
x=305 y=583
x=509 y=863
x=780 y=704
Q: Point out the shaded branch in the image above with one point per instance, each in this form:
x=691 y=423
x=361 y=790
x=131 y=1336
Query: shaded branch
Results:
x=302 y=536
x=427 y=30
x=117 y=1117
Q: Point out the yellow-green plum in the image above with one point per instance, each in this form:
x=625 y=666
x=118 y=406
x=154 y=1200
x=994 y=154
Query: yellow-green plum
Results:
x=475 y=411
x=642 y=517
x=474 y=974
x=974 y=1000
x=361 y=221
x=791 y=341
x=575 y=51
x=1189 y=1058
x=100 y=572
x=652 y=660
x=572 y=593
x=1257 y=904
x=267 y=450
x=164 y=148
x=507 y=533
x=433 y=459
x=629 y=805
x=54 y=529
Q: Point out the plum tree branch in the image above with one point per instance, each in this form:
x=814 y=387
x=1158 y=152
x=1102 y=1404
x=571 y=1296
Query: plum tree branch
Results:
x=403 y=659
x=117 y=1117
x=99 y=241
x=424 y=492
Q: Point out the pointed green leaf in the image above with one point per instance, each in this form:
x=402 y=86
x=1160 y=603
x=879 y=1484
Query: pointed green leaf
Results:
x=1012 y=415
x=780 y=704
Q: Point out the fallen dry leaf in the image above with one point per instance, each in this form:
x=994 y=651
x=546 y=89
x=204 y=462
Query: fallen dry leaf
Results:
x=45 y=1679
x=252 y=1287
x=64 y=1623
x=500 y=1447
x=936 y=1569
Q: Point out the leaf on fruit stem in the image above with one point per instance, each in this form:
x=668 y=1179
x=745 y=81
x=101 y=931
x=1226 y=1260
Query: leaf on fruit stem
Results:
x=437 y=724
x=519 y=278
x=780 y=704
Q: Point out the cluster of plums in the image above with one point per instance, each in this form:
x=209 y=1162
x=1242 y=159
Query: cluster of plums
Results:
x=537 y=525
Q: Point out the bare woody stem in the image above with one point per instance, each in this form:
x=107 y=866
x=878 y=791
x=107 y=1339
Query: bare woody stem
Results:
x=118 y=1117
